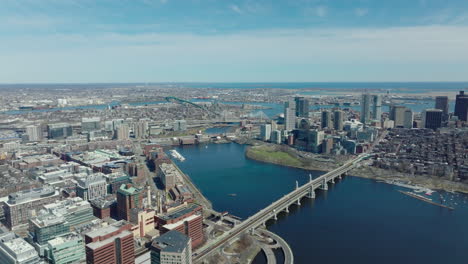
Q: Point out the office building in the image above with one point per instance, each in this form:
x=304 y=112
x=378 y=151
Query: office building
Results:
x=315 y=140
x=397 y=114
x=128 y=197
x=74 y=210
x=442 y=103
x=90 y=124
x=180 y=125
x=408 y=119
x=187 y=219
x=265 y=132
x=47 y=226
x=22 y=205
x=377 y=107
x=59 y=131
x=91 y=187
x=276 y=137
x=169 y=175
x=66 y=249
x=123 y=132
x=432 y=118
x=366 y=108
x=34 y=133
x=461 y=106
x=172 y=247
x=338 y=120
x=15 y=250
x=326 y=120
x=111 y=244
x=140 y=129
x=289 y=118
x=302 y=107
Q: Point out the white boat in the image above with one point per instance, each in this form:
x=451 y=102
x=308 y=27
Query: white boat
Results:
x=176 y=155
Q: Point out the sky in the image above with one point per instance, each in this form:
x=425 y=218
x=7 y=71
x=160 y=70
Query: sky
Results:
x=91 y=41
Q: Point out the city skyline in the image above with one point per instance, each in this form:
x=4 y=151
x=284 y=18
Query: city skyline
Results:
x=238 y=41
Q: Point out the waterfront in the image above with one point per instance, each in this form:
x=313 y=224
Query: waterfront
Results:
x=356 y=221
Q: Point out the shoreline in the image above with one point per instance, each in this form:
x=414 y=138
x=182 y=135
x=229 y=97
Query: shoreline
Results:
x=373 y=173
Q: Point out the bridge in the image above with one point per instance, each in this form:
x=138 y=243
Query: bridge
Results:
x=281 y=205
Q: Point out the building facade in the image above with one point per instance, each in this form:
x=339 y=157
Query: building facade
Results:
x=172 y=247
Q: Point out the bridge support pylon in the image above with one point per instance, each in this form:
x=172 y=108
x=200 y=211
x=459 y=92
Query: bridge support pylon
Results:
x=298 y=201
x=324 y=184
x=332 y=180
x=252 y=231
x=311 y=193
x=264 y=224
x=275 y=217
x=287 y=209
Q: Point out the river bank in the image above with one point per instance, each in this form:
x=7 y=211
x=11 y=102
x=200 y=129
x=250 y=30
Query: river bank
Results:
x=284 y=156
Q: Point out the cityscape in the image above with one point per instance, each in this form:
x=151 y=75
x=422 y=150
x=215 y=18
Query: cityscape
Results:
x=233 y=132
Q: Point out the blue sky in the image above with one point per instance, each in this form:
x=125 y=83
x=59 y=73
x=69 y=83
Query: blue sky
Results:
x=233 y=40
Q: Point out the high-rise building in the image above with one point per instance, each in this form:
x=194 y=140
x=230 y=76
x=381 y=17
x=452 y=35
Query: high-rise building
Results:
x=90 y=124
x=140 y=129
x=276 y=137
x=172 y=247
x=315 y=140
x=66 y=249
x=365 y=108
x=111 y=244
x=408 y=119
x=180 y=125
x=15 y=250
x=187 y=219
x=22 y=205
x=442 y=103
x=128 y=197
x=75 y=210
x=123 y=132
x=289 y=118
x=302 y=107
x=168 y=174
x=34 y=133
x=326 y=120
x=59 y=131
x=265 y=132
x=377 y=107
x=338 y=120
x=432 y=118
x=461 y=106
x=397 y=114
x=91 y=187
x=46 y=227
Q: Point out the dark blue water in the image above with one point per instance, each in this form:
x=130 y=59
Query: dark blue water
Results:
x=356 y=221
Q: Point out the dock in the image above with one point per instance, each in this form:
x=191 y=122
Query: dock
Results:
x=425 y=200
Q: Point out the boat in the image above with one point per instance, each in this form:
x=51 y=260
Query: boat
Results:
x=232 y=194
x=176 y=155
x=425 y=199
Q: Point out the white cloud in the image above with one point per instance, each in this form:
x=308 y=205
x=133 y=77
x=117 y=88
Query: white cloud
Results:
x=236 y=9
x=319 y=11
x=361 y=12
x=239 y=56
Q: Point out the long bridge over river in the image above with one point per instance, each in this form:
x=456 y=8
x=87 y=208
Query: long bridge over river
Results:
x=272 y=210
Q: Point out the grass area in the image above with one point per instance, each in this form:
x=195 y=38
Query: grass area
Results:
x=268 y=154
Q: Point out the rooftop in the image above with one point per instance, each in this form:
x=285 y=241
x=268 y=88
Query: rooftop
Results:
x=172 y=241
x=179 y=212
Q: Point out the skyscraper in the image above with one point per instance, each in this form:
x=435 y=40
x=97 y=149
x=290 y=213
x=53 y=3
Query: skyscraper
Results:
x=442 y=104
x=365 y=108
x=397 y=114
x=326 y=120
x=338 y=120
x=289 y=118
x=432 y=118
x=90 y=124
x=461 y=106
x=34 y=133
x=59 y=130
x=140 y=129
x=123 y=132
x=408 y=119
x=265 y=132
x=302 y=107
x=377 y=107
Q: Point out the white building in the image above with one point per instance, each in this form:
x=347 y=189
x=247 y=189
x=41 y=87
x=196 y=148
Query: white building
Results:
x=15 y=250
x=34 y=133
x=265 y=132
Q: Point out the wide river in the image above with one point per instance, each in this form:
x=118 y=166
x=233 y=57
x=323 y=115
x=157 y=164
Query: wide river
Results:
x=356 y=221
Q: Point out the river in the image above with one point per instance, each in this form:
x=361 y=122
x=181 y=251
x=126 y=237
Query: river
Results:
x=356 y=221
